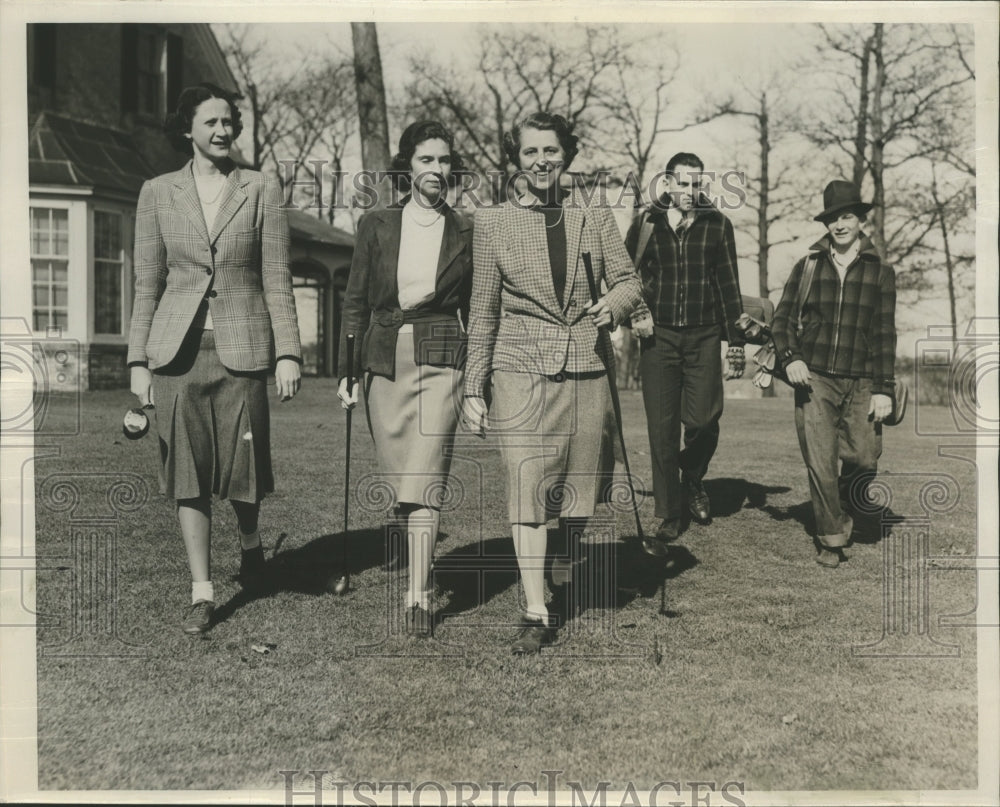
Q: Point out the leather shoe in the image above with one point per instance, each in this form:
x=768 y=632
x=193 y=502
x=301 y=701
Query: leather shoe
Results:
x=830 y=558
x=253 y=568
x=698 y=504
x=199 y=618
x=533 y=636
x=418 y=621
x=656 y=545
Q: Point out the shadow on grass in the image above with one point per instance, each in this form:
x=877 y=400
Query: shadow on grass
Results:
x=729 y=495
x=312 y=568
x=591 y=576
x=869 y=528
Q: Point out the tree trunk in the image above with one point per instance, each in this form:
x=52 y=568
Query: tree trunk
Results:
x=861 y=134
x=763 y=236
x=763 y=242
x=878 y=144
x=256 y=111
x=949 y=265
x=373 y=122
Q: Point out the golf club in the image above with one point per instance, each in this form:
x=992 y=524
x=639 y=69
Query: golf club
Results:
x=617 y=406
x=342 y=584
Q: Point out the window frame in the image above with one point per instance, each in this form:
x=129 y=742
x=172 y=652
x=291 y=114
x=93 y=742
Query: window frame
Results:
x=126 y=216
x=50 y=206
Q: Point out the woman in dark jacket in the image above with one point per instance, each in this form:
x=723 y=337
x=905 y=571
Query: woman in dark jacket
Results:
x=407 y=296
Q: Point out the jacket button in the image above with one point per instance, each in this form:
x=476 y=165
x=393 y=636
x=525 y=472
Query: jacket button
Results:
x=213 y=293
x=208 y=271
x=214 y=249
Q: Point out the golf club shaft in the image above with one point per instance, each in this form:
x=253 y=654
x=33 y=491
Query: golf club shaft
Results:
x=347 y=455
x=615 y=403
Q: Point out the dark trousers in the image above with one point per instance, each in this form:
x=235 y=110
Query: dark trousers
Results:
x=831 y=418
x=681 y=371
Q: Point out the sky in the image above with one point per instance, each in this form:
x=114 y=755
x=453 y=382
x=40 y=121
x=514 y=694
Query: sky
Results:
x=715 y=59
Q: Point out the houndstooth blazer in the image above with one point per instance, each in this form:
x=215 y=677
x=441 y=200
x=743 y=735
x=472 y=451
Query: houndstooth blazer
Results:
x=241 y=268
x=515 y=320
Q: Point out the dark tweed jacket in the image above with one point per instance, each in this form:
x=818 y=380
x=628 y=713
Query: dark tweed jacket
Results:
x=849 y=331
x=371 y=304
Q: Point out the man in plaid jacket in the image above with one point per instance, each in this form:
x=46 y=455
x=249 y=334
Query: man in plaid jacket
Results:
x=839 y=354
x=691 y=290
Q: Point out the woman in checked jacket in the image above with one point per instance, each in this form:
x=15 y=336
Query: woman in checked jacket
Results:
x=536 y=348
x=213 y=306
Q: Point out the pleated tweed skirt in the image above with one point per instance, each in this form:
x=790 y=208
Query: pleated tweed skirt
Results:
x=213 y=424
x=413 y=421
x=550 y=432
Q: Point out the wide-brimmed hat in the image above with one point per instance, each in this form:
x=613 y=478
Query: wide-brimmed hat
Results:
x=841 y=195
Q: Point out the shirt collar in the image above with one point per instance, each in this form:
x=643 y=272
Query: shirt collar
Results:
x=527 y=199
x=866 y=247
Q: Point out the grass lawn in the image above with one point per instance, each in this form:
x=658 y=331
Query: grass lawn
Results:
x=741 y=667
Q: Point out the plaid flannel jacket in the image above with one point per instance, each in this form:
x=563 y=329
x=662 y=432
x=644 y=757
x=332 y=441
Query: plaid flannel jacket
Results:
x=516 y=321
x=241 y=267
x=692 y=279
x=848 y=330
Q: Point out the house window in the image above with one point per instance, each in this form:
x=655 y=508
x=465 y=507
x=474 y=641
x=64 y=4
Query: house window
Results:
x=109 y=272
x=50 y=268
x=152 y=70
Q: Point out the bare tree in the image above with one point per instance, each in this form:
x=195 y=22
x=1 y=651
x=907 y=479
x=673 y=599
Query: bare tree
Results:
x=301 y=119
x=518 y=72
x=262 y=86
x=902 y=77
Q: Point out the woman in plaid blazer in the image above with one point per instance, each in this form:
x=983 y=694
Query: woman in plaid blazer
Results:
x=408 y=295
x=538 y=348
x=213 y=305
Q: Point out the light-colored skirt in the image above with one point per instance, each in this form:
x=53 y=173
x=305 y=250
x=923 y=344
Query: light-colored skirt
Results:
x=413 y=421
x=550 y=432
x=213 y=425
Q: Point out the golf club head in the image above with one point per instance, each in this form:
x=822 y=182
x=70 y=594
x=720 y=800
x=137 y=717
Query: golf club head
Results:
x=339 y=585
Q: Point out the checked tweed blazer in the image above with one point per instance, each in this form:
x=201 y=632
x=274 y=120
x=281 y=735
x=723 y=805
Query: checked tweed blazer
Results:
x=241 y=267
x=516 y=321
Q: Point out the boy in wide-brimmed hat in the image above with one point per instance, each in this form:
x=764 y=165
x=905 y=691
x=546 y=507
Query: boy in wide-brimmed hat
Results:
x=839 y=354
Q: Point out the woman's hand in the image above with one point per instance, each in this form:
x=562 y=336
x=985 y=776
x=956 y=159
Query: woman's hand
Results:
x=141 y=384
x=288 y=377
x=642 y=327
x=798 y=374
x=348 y=399
x=880 y=407
x=600 y=312
x=474 y=415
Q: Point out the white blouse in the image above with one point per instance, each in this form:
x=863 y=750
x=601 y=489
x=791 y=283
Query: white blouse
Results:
x=209 y=210
x=419 y=251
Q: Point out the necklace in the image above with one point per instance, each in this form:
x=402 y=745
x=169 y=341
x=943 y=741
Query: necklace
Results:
x=414 y=212
x=218 y=193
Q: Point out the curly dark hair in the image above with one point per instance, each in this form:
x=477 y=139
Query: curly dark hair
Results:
x=178 y=123
x=413 y=135
x=684 y=158
x=543 y=121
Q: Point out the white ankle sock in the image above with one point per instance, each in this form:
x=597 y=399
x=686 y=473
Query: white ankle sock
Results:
x=251 y=541
x=202 y=591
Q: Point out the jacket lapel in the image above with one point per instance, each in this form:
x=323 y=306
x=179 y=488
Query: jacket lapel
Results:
x=390 y=227
x=453 y=242
x=186 y=200
x=575 y=216
x=233 y=198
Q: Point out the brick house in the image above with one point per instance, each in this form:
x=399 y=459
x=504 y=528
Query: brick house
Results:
x=97 y=97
